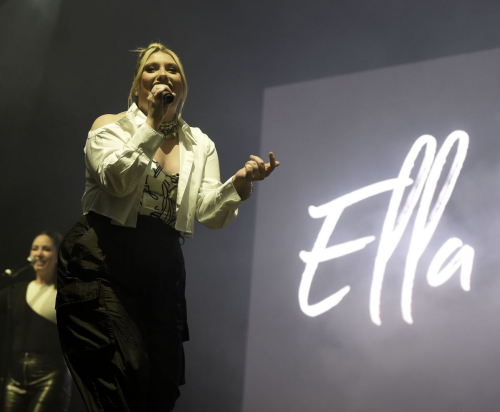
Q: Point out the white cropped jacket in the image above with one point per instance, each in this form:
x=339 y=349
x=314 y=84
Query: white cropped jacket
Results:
x=117 y=156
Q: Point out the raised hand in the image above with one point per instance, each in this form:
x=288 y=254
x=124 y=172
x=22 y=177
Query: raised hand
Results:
x=254 y=169
x=158 y=110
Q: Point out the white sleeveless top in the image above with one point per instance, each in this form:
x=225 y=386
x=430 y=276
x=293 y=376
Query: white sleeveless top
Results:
x=42 y=299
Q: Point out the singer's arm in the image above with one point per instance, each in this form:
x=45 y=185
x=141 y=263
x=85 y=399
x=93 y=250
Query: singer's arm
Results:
x=117 y=159
x=217 y=203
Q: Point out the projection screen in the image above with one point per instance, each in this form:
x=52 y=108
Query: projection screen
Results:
x=375 y=275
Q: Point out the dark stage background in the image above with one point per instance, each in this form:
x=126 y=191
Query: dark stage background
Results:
x=65 y=63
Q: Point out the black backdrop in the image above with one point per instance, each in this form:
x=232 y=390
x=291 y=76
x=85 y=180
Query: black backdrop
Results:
x=65 y=63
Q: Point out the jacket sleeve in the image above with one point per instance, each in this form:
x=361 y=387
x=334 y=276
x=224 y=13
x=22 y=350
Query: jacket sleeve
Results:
x=217 y=203
x=118 y=161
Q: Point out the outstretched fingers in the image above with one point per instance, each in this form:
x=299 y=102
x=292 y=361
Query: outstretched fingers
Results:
x=257 y=169
x=273 y=163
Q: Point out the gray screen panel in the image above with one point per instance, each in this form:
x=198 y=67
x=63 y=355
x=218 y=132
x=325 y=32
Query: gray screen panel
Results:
x=335 y=136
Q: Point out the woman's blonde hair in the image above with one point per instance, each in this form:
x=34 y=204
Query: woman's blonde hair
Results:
x=144 y=54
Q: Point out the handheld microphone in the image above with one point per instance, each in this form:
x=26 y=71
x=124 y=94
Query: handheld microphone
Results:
x=13 y=272
x=167 y=97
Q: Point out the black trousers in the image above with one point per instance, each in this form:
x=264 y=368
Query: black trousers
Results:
x=37 y=383
x=121 y=313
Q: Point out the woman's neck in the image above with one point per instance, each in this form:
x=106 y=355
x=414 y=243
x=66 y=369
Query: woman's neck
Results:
x=44 y=279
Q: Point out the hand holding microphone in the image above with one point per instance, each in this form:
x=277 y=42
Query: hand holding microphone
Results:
x=160 y=105
x=166 y=95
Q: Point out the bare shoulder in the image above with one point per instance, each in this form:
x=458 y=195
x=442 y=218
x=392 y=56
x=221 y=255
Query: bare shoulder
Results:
x=106 y=119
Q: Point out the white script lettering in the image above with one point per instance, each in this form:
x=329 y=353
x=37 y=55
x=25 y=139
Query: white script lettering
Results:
x=426 y=222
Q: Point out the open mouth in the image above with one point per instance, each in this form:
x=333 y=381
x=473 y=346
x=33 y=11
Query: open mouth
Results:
x=164 y=84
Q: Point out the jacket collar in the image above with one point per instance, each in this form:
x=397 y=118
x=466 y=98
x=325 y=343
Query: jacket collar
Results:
x=140 y=119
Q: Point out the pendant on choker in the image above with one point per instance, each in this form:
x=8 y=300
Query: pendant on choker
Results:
x=169 y=129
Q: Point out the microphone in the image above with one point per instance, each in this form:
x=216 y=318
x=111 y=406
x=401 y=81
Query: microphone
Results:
x=14 y=272
x=167 y=97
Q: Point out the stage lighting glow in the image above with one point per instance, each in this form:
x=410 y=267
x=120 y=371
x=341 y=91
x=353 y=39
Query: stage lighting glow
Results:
x=423 y=189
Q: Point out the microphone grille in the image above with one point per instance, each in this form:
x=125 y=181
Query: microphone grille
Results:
x=31 y=259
